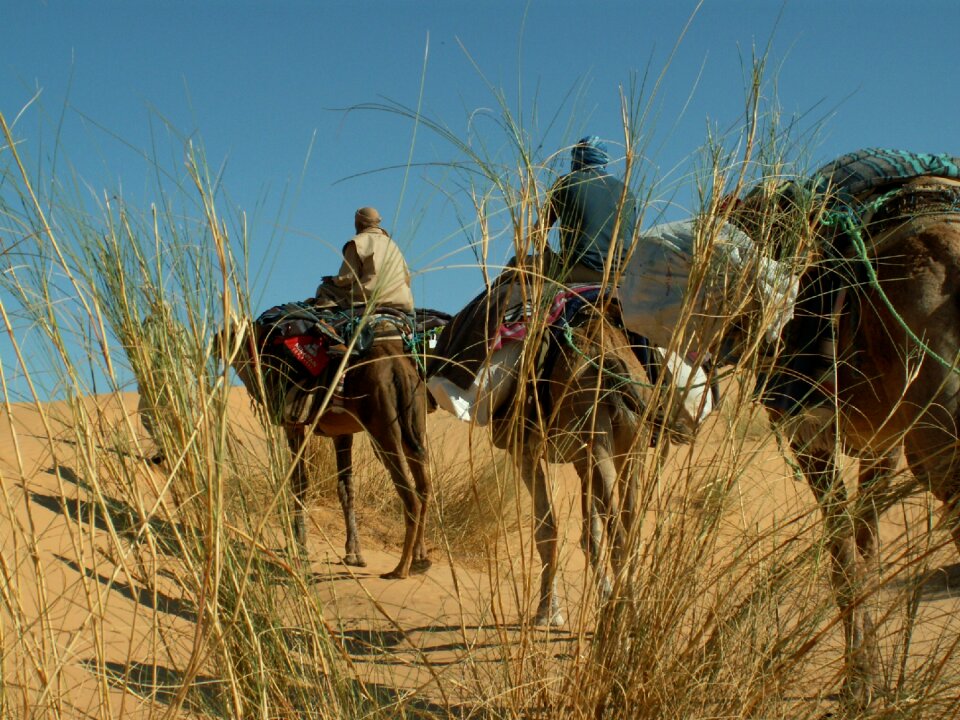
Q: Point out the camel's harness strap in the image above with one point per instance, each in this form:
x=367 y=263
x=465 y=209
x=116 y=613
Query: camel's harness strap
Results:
x=850 y=224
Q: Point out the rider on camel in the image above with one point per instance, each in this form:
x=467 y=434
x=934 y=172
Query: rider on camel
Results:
x=373 y=272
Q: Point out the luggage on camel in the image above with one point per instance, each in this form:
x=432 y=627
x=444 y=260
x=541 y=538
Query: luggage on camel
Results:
x=849 y=179
x=658 y=301
x=859 y=201
x=302 y=348
x=475 y=367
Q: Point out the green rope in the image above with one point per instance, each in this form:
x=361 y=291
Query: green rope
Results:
x=852 y=227
x=568 y=336
x=415 y=341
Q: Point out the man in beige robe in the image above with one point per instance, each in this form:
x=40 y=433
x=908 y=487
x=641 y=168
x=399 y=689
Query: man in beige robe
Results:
x=373 y=271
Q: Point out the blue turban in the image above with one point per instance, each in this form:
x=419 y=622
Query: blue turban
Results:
x=590 y=151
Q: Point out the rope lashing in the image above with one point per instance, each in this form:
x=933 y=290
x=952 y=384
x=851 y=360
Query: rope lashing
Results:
x=568 y=337
x=414 y=341
x=852 y=227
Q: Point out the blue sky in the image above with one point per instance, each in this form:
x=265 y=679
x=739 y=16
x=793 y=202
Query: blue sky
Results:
x=264 y=85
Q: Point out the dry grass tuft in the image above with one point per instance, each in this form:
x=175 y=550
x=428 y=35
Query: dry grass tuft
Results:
x=176 y=595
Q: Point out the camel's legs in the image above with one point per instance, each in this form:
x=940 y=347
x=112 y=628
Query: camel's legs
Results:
x=296 y=439
x=601 y=514
x=846 y=574
x=627 y=480
x=630 y=459
x=343 y=446
x=388 y=448
x=419 y=468
x=591 y=534
x=951 y=512
x=545 y=535
x=933 y=463
x=876 y=473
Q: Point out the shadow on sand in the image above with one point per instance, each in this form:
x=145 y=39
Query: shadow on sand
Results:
x=942 y=583
x=211 y=697
x=153 y=599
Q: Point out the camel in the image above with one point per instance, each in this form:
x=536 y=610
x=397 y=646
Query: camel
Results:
x=896 y=383
x=382 y=394
x=586 y=407
x=595 y=424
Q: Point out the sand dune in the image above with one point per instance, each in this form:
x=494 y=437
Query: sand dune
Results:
x=86 y=635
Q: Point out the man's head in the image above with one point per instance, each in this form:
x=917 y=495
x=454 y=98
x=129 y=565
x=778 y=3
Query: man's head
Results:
x=366 y=217
x=590 y=151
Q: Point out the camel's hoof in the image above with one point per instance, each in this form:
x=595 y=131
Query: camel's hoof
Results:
x=552 y=619
x=605 y=591
x=354 y=560
x=418 y=567
x=396 y=574
x=857 y=695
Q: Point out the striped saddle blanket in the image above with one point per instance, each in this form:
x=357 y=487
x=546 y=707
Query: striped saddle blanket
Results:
x=861 y=173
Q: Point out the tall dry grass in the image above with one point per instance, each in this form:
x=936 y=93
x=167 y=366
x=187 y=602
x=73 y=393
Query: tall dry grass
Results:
x=722 y=608
x=719 y=613
x=140 y=294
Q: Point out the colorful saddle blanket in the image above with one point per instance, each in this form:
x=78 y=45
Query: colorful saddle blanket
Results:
x=312 y=335
x=301 y=346
x=566 y=304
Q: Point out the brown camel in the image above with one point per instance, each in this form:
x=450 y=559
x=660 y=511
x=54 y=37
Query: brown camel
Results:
x=590 y=413
x=384 y=395
x=586 y=407
x=895 y=383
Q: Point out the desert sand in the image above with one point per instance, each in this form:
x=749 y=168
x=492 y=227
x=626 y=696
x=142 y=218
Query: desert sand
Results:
x=72 y=602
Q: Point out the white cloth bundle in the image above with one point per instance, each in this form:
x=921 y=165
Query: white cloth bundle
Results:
x=655 y=282
x=494 y=383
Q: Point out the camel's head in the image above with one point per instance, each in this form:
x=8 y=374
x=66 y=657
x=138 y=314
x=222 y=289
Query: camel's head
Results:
x=237 y=345
x=777 y=214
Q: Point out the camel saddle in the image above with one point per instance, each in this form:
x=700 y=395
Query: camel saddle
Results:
x=301 y=346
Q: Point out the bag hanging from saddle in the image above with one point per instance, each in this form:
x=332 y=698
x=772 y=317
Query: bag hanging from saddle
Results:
x=475 y=366
x=300 y=349
x=657 y=299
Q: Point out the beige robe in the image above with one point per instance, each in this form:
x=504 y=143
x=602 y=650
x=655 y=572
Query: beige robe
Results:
x=373 y=273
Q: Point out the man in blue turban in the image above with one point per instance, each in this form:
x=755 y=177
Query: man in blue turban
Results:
x=474 y=369
x=596 y=213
